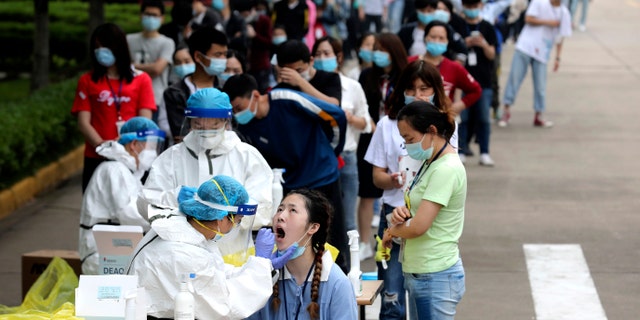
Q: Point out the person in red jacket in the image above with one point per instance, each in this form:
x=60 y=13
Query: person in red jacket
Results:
x=110 y=94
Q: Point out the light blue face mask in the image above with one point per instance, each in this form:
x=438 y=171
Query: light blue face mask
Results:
x=436 y=49
x=105 y=57
x=216 y=66
x=184 y=69
x=327 y=64
x=279 y=40
x=425 y=18
x=471 y=13
x=408 y=99
x=381 y=59
x=442 y=15
x=299 y=250
x=217 y=4
x=416 y=152
x=246 y=115
x=150 y=23
x=366 y=55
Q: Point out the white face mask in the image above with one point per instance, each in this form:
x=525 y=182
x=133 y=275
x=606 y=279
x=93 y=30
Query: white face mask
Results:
x=146 y=158
x=210 y=139
x=305 y=75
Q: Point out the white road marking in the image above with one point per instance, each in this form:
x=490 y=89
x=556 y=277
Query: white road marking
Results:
x=561 y=283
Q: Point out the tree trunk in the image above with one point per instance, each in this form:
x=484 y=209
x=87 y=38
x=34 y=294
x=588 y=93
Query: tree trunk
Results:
x=40 y=75
x=96 y=15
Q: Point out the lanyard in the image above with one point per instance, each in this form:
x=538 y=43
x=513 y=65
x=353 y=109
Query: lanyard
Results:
x=304 y=287
x=116 y=98
x=407 y=201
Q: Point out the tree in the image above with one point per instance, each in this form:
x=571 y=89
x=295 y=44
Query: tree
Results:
x=40 y=74
x=96 y=15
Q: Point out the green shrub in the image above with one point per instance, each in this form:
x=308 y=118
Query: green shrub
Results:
x=40 y=130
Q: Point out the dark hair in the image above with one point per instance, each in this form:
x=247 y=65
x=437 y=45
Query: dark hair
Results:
x=280 y=26
x=335 y=44
x=438 y=23
x=178 y=48
x=393 y=45
x=470 y=2
x=236 y=54
x=292 y=51
x=181 y=12
x=109 y=35
x=421 y=4
x=202 y=39
x=426 y=72
x=320 y=211
x=153 y=4
x=361 y=41
x=242 y=5
x=448 y=4
x=240 y=85
x=422 y=115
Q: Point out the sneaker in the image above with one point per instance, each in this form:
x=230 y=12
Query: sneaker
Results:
x=485 y=160
x=541 y=123
x=468 y=152
x=463 y=158
x=366 y=251
x=582 y=28
x=375 y=222
x=504 y=121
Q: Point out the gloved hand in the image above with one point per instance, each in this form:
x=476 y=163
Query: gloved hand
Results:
x=186 y=193
x=279 y=261
x=264 y=243
x=382 y=253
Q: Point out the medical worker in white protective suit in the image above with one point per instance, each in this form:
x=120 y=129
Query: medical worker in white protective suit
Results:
x=209 y=149
x=110 y=197
x=186 y=241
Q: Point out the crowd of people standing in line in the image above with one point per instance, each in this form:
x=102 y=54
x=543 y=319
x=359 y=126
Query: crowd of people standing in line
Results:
x=229 y=90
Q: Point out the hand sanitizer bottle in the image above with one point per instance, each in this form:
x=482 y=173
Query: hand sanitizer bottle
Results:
x=183 y=301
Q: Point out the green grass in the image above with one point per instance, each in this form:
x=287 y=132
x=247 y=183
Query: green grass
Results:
x=16 y=89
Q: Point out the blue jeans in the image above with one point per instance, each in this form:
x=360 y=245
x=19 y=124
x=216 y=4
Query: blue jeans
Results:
x=434 y=296
x=574 y=7
x=476 y=117
x=395 y=12
x=394 y=302
x=519 y=67
x=349 y=182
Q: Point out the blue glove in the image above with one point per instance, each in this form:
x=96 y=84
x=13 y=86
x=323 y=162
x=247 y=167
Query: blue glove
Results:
x=186 y=193
x=264 y=243
x=279 y=261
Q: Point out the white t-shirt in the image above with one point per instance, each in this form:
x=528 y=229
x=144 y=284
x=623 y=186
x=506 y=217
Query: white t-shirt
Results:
x=374 y=7
x=354 y=101
x=537 y=41
x=418 y=47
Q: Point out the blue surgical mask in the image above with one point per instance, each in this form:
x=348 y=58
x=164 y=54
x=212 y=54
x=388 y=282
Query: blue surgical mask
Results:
x=299 y=250
x=279 y=39
x=216 y=66
x=408 y=99
x=184 y=69
x=381 y=59
x=105 y=57
x=442 y=15
x=246 y=115
x=327 y=64
x=436 y=49
x=366 y=55
x=416 y=152
x=150 y=23
x=425 y=18
x=471 y=13
x=225 y=76
x=217 y=4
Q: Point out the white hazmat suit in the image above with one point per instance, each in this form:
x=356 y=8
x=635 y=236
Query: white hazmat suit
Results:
x=110 y=198
x=173 y=248
x=187 y=164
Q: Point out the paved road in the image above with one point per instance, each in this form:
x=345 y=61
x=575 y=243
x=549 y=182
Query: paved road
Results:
x=577 y=183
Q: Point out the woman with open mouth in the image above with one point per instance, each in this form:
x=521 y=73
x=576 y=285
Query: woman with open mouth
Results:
x=310 y=285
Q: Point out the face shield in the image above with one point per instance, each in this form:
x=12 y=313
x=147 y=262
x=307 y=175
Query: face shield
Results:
x=236 y=245
x=152 y=142
x=204 y=128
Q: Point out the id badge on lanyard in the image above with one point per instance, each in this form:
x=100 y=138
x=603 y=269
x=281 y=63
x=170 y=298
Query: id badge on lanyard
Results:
x=116 y=101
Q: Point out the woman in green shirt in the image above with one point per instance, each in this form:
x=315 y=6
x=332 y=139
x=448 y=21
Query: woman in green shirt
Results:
x=432 y=219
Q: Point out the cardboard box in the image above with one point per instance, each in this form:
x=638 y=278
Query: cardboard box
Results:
x=34 y=263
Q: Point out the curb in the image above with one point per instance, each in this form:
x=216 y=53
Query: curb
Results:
x=45 y=179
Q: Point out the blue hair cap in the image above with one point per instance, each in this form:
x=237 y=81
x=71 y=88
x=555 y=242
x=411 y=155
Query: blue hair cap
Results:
x=130 y=129
x=222 y=190
x=208 y=99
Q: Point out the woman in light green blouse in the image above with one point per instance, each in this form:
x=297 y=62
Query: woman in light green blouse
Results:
x=432 y=219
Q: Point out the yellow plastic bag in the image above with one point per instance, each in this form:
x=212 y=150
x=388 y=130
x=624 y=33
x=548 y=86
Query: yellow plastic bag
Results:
x=51 y=296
